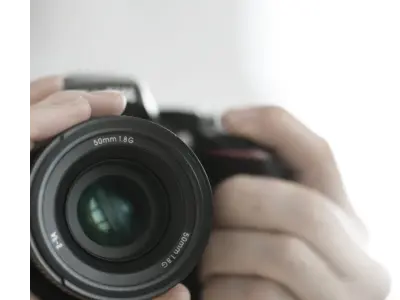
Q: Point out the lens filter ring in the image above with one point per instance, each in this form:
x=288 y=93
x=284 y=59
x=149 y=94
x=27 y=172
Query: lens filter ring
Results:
x=55 y=249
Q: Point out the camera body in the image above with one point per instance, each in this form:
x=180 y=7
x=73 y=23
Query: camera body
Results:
x=148 y=176
x=222 y=155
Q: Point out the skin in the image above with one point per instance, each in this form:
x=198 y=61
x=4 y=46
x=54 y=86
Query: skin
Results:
x=272 y=239
x=281 y=240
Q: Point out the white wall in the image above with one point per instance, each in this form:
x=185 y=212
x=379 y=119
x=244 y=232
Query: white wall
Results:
x=333 y=63
x=189 y=52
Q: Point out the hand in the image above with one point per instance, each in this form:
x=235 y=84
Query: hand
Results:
x=275 y=239
x=179 y=292
x=53 y=111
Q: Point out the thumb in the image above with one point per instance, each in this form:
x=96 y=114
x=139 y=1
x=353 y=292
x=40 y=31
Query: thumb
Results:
x=179 y=292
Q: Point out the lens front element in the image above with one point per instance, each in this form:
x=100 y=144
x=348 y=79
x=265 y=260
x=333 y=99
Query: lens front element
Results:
x=113 y=211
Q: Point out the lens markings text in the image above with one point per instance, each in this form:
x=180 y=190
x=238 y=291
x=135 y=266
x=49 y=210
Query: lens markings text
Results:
x=175 y=253
x=56 y=241
x=113 y=139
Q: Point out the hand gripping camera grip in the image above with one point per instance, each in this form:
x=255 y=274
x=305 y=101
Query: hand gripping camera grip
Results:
x=226 y=156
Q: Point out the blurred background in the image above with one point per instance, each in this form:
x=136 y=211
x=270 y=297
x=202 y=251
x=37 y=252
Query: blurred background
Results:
x=334 y=64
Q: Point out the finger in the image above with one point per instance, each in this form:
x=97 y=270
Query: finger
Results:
x=179 y=292
x=102 y=103
x=33 y=297
x=280 y=258
x=283 y=206
x=239 y=288
x=62 y=110
x=44 y=87
x=307 y=153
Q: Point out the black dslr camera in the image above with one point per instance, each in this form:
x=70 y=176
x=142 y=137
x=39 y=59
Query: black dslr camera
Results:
x=121 y=207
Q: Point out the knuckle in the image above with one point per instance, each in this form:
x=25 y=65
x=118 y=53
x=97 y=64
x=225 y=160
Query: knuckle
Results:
x=211 y=255
x=85 y=107
x=68 y=94
x=315 y=215
x=372 y=283
x=262 y=288
x=228 y=287
x=224 y=287
x=275 y=112
x=289 y=246
x=289 y=254
x=378 y=283
x=386 y=283
x=61 y=97
x=274 y=115
x=230 y=186
x=271 y=290
x=322 y=148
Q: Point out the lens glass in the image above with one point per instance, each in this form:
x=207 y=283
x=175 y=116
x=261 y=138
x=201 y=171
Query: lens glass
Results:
x=114 y=211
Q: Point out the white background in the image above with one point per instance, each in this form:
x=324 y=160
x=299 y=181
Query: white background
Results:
x=335 y=64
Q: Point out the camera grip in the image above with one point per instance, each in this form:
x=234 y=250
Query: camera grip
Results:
x=226 y=156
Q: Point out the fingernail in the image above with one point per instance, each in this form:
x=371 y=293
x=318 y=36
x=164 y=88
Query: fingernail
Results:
x=107 y=102
x=110 y=94
x=179 y=292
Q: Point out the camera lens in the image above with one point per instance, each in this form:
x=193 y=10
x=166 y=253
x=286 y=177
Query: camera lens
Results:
x=116 y=209
x=121 y=208
x=113 y=211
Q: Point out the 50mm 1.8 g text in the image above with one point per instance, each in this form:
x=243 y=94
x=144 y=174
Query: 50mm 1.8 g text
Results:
x=113 y=139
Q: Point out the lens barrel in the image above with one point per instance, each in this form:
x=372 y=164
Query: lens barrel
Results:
x=121 y=208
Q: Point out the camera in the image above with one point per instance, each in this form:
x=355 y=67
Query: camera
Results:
x=121 y=207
